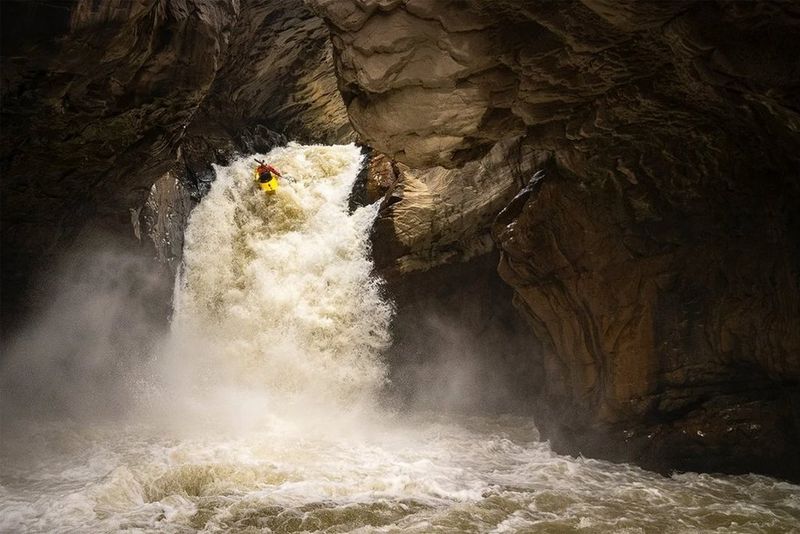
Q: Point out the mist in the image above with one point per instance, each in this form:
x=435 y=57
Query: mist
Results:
x=84 y=355
x=459 y=345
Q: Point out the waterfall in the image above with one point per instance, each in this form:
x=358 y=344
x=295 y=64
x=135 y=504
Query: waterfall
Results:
x=276 y=294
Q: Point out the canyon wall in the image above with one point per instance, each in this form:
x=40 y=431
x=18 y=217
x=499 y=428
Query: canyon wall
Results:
x=635 y=164
x=656 y=253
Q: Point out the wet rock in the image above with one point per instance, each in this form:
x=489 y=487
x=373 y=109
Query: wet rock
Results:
x=382 y=176
x=164 y=218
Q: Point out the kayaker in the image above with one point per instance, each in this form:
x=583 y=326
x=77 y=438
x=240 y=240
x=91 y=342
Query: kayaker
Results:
x=265 y=171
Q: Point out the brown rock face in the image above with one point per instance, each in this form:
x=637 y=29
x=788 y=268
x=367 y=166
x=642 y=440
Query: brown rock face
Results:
x=658 y=254
x=676 y=359
x=436 y=216
x=423 y=81
x=100 y=99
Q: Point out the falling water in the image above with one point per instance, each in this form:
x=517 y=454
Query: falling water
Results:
x=276 y=296
x=258 y=413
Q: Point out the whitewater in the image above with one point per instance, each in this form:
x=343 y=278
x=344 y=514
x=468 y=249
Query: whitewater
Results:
x=262 y=409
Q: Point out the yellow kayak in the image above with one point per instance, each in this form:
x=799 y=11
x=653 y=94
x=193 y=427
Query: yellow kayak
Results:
x=268 y=186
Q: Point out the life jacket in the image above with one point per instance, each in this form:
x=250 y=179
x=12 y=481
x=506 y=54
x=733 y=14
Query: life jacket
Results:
x=263 y=174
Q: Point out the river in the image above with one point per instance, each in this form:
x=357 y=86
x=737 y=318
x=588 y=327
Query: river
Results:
x=261 y=410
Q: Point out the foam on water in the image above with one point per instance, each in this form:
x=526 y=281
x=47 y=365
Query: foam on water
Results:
x=420 y=475
x=259 y=414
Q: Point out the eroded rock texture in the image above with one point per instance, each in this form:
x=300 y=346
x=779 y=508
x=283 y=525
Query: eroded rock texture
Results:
x=436 y=216
x=657 y=257
x=100 y=99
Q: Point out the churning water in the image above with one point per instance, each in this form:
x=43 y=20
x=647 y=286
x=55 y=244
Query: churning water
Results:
x=259 y=412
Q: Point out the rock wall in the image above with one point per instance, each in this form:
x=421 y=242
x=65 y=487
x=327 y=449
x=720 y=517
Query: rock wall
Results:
x=657 y=253
x=436 y=216
x=100 y=99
